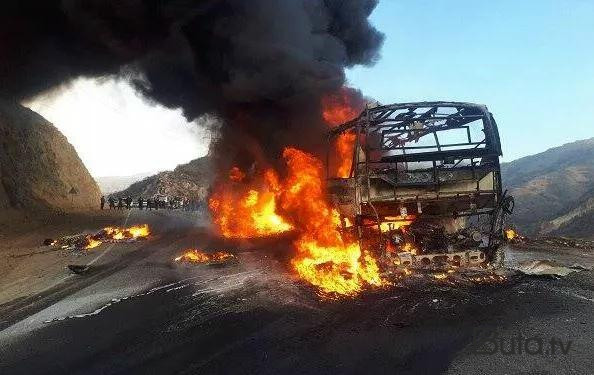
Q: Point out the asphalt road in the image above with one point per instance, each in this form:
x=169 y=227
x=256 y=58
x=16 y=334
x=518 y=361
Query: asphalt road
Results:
x=146 y=314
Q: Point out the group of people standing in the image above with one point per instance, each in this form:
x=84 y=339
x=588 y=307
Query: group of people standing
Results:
x=150 y=203
x=119 y=203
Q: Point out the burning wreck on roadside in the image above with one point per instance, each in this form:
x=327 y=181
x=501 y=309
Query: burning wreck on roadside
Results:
x=423 y=189
x=273 y=73
x=404 y=186
x=84 y=241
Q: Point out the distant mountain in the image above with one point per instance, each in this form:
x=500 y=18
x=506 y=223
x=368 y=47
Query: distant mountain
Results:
x=554 y=190
x=39 y=169
x=191 y=181
x=111 y=184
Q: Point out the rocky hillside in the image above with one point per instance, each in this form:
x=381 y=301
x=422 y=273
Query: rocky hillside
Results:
x=111 y=184
x=578 y=221
x=190 y=181
x=39 y=169
x=554 y=190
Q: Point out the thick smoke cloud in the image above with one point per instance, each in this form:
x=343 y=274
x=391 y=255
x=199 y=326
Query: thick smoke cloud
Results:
x=261 y=65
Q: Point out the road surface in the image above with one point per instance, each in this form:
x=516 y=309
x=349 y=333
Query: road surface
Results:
x=143 y=313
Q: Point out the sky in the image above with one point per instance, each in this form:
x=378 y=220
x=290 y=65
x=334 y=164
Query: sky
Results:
x=530 y=62
x=117 y=133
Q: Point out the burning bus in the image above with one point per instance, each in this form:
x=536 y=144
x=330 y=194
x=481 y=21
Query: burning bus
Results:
x=421 y=187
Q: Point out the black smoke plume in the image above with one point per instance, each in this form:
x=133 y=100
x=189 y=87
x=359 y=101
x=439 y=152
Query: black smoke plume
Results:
x=260 y=65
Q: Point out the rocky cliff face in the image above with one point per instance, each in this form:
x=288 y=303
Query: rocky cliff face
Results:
x=39 y=169
x=191 y=181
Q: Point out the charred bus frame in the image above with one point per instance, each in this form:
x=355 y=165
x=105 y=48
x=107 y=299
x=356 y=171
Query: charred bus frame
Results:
x=403 y=168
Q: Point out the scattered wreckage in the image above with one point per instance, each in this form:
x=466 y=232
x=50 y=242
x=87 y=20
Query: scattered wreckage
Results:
x=84 y=241
x=79 y=269
x=546 y=267
x=424 y=189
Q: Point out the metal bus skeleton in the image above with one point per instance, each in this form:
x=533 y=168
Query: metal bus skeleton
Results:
x=424 y=188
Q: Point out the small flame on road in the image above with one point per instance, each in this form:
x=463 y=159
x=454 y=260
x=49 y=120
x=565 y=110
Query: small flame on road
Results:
x=116 y=234
x=198 y=256
x=92 y=243
x=136 y=231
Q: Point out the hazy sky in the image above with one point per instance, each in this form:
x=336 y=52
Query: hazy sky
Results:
x=116 y=133
x=530 y=62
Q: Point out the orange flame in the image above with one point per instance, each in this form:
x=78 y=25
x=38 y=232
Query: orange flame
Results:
x=324 y=258
x=115 y=233
x=341 y=106
x=268 y=206
x=92 y=243
x=345 y=144
x=198 y=256
x=193 y=256
x=408 y=247
x=247 y=213
x=338 y=108
x=137 y=231
x=387 y=226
